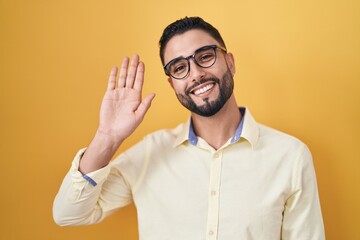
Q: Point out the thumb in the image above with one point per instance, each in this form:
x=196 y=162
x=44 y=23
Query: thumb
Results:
x=144 y=105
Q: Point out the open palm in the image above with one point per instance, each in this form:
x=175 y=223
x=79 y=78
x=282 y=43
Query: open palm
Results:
x=123 y=108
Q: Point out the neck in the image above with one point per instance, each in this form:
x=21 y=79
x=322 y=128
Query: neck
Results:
x=219 y=128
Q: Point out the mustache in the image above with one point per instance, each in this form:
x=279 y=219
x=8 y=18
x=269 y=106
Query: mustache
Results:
x=202 y=81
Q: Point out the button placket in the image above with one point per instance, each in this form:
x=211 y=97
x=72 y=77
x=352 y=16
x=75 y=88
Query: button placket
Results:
x=214 y=188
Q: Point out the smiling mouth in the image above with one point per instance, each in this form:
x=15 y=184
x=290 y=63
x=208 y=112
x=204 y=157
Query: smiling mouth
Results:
x=204 y=89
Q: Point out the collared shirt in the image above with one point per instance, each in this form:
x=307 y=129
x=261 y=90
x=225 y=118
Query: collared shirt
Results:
x=260 y=184
x=193 y=139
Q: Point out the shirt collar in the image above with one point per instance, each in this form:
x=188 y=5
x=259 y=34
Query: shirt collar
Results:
x=183 y=133
x=238 y=131
x=193 y=139
x=246 y=129
x=250 y=130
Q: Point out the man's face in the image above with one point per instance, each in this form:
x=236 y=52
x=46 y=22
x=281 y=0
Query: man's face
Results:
x=204 y=91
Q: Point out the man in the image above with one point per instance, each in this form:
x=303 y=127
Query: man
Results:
x=219 y=176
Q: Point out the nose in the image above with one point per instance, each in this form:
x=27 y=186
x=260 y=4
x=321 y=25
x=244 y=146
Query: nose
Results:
x=196 y=72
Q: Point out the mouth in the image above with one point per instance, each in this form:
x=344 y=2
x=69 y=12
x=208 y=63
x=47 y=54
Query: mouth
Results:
x=203 y=89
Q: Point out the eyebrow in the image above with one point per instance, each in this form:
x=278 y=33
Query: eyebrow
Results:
x=174 y=60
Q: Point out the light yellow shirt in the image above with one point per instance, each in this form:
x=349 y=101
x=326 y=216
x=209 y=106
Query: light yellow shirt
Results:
x=259 y=187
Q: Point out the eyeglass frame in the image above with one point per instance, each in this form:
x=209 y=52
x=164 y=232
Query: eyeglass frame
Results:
x=214 y=47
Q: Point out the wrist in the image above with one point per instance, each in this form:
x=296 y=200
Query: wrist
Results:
x=107 y=139
x=99 y=152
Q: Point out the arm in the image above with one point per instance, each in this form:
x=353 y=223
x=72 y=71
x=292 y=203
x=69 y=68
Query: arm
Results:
x=302 y=215
x=122 y=110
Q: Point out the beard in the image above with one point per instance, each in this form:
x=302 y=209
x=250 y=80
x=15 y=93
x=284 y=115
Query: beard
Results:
x=226 y=86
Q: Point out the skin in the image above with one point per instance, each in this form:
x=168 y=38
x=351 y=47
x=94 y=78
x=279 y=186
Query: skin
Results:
x=223 y=124
x=123 y=108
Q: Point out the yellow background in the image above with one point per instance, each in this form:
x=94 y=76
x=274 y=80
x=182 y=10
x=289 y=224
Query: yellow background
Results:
x=298 y=69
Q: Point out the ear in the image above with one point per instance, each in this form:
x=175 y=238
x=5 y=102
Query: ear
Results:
x=231 y=62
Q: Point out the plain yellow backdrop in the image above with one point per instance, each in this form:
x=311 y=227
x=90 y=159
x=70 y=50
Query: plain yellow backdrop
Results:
x=298 y=70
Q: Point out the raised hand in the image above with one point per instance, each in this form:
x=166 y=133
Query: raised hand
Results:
x=123 y=108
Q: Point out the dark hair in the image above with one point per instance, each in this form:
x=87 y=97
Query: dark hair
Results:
x=183 y=25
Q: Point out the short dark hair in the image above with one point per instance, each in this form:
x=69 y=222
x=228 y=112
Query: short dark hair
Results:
x=183 y=25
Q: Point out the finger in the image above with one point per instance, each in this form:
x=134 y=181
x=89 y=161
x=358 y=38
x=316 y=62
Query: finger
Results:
x=130 y=78
x=123 y=70
x=112 y=78
x=144 y=105
x=139 y=79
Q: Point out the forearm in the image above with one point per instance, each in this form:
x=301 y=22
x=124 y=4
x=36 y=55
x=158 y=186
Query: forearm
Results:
x=99 y=152
x=71 y=209
x=77 y=202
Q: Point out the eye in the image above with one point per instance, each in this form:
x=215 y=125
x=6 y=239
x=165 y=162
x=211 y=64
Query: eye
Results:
x=178 y=67
x=205 y=57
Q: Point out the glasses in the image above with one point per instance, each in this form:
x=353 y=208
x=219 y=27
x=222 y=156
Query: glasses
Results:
x=205 y=57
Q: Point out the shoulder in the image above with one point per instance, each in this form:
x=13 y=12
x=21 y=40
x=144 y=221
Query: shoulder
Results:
x=160 y=139
x=167 y=136
x=275 y=139
x=132 y=162
x=286 y=151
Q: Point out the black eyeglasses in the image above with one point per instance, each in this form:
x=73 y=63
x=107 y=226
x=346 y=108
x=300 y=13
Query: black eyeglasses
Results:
x=204 y=57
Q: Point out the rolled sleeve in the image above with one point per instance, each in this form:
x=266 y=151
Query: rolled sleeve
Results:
x=98 y=176
x=79 y=202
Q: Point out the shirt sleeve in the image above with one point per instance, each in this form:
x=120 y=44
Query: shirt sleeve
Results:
x=79 y=202
x=302 y=215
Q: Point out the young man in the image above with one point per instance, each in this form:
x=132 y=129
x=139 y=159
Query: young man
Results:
x=220 y=175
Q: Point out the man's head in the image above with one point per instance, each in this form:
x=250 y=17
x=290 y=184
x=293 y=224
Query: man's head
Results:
x=183 y=25
x=199 y=68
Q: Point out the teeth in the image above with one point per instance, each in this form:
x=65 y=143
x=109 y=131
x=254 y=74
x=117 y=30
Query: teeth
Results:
x=203 y=89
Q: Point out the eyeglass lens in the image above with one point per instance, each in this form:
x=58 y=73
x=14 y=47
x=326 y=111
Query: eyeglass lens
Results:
x=203 y=57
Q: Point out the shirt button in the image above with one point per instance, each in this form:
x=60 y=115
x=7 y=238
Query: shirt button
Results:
x=213 y=193
x=216 y=155
x=211 y=232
